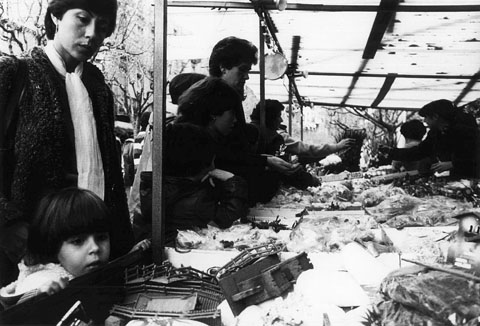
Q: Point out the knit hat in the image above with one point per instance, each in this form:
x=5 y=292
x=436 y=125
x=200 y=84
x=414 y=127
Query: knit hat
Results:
x=181 y=83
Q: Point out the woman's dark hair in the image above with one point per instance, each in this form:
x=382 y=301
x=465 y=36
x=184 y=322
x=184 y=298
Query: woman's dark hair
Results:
x=208 y=97
x=230 y=52
x=273 y=109
x=443 y=108
x=61 y=215
x=105 y=8
x=413 y=129
x=188 y=150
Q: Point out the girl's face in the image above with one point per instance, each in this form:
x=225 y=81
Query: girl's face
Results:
x=82 y=253
x=225 y=122
x=80 y=34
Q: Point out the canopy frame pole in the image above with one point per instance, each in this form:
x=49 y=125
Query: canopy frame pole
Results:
x=159 y=109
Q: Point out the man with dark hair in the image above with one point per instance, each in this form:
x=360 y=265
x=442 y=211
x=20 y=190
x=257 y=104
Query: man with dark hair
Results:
x=451 y=143
x=232 y=59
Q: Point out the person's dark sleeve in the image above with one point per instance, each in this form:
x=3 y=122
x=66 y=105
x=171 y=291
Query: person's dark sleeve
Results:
x=232 y=156
x=415 y=153
x=233 y=201
x=464 y=151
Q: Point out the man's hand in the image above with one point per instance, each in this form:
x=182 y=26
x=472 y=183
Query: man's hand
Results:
x=282 y=166
x=345 y=143
x=220 y=174
x=442 y=166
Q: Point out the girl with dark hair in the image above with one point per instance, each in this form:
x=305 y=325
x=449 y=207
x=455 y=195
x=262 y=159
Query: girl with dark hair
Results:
x=64 y=127
x=69 y=236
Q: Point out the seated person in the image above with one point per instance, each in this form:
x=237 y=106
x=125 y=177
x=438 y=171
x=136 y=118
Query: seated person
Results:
x=212 y=104
x=277 y=141
x=273 y=121
x=413 y=132
x=196 y=193
x=69 y=236
x=451 y=143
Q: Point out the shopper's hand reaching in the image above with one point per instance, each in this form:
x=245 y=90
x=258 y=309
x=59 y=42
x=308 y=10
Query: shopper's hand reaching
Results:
x=220 y=174
x=142 y=245
x=283 y=166
x=345 y=143
x=442 y=166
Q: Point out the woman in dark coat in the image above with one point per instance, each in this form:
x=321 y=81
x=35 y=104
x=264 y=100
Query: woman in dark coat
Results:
x=65 y=128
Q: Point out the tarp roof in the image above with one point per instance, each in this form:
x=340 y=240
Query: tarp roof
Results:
x=365 y=53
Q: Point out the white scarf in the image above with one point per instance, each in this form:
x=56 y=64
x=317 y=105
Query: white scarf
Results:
x=87 y=150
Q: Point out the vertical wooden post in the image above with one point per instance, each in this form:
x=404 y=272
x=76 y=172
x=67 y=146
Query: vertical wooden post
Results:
x=290 y=105
x=261 y=63
x=159 y=109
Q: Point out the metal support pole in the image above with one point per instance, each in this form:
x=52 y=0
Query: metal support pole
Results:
x=290 y=105
x=159 y=109
x=262 y=73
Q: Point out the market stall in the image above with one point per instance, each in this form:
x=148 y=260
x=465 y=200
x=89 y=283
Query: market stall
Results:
x=369 y=246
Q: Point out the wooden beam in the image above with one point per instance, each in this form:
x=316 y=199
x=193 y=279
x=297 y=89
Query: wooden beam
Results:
x=473 y=80
x=353 y=82
x=159 y=109
x=367 y=75
x=350 y=74
x=320 y=7
x=386 y=11
x=339 y=105
x=387 y=84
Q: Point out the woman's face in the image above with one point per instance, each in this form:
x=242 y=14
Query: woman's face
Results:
x=277 y=122
x=80 y=34
x=225 y=122
x=82 y=253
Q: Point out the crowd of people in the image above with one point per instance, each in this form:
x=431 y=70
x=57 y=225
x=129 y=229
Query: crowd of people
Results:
x=65 y=211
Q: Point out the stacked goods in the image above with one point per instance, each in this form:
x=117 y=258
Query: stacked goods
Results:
x=331 y=235
x=351 y=156
x=404 y=210
x=432 y=186
x=420 y=297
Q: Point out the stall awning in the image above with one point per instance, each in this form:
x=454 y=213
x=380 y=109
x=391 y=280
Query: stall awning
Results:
x=395 y=54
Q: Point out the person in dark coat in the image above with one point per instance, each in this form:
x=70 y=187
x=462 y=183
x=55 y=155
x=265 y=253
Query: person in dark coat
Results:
x=65 y=128
x=196 y=193
x=451 y=143
x=273 y=143
x=231 y=60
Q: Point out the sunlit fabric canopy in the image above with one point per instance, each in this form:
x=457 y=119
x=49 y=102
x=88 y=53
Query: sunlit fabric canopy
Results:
x=366 y=53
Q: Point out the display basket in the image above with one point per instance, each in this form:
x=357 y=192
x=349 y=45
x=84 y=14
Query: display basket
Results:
x=257 y=275
x=97 y=291
x=164 y=291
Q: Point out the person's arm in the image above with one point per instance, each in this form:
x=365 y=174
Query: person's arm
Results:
x=465 y=150
x=302 y=149
x=233 y=201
